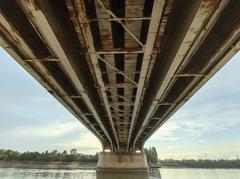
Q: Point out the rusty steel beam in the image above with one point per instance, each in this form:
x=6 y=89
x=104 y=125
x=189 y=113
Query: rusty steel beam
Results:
x=114 y=72
x=122 y=95
x=39 y=19
x=14 y=44
x=121 y=114
x=157 y=10
x=119 y=19
x=224 y=53
x=119 y=110
x=78 y=11
x=183 y=98
x=193 y=23
x=116 y=69
x=202 y=35
x=121 y=23
x=120 y=85
x=189 y=75
x=166 y=104
x=75 y=96
x=120 y=104
x=50 y=59
x=204 y=31
x=132 y=50
x=119 y=96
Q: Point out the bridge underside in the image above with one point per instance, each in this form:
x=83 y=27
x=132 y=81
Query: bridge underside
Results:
x=122 y=67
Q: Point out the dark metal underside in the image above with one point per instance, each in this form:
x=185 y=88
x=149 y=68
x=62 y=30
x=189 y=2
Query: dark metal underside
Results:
x=122 y=67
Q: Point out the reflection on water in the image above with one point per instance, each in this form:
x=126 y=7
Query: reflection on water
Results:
x=155 y=174
x=187 y=173
x=12 y=173
x=122 y=175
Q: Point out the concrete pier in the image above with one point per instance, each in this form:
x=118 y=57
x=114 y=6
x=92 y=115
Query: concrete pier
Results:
x=118 y=166
x=118 y=161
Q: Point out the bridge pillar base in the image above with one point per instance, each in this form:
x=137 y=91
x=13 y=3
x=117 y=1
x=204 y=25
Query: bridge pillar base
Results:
x=118 y=166
x=118 y=161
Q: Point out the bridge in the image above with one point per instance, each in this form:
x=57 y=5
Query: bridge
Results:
x=121 y=67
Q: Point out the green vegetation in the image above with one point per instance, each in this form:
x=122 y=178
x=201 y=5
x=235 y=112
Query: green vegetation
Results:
x=151 y=153
x=201 y=163
x=73 y=156
x=152 y=156
x=153 y=160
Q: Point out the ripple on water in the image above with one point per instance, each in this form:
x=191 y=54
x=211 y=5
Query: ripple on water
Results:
x=13 y=173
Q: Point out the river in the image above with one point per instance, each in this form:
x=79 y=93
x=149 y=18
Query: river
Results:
x=166 y=173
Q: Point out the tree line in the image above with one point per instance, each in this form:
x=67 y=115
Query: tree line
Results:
x=201 y=163
x=153 y=160
x=72 y=156
x=53 y=156
x=151 y=154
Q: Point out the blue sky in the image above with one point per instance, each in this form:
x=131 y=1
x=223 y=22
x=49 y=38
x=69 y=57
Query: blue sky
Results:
x=207 y=126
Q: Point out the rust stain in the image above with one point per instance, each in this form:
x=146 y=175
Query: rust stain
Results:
x=208 y=4
x=14 y=35
x=33 y=3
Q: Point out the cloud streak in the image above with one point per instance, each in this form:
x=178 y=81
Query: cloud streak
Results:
x=203 y=121
x=53 y=130
x=84 y=141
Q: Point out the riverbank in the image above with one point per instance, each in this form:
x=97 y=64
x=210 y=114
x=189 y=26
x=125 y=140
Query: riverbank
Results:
x=228 y=164
x=47 y=165
x=92 y=166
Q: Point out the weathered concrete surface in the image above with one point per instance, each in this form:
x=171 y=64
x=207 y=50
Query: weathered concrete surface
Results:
x=118 y=161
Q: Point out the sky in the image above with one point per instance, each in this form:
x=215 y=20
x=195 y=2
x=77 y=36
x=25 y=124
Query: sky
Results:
x=207 y=126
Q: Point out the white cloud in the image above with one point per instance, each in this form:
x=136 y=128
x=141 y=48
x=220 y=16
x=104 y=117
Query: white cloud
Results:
x=54 y=129
x=166 y=132
x=86 y=140
x=194 y=125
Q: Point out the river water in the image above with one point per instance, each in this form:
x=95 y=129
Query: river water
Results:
x=166 y=173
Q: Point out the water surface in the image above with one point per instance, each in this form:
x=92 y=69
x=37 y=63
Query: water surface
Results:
x=166 y=173
x=186 y=173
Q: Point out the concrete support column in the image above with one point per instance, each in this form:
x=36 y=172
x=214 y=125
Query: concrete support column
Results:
x=122 y=166
x=119 y=161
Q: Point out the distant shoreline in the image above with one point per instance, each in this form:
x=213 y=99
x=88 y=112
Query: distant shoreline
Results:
x=46 y=165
